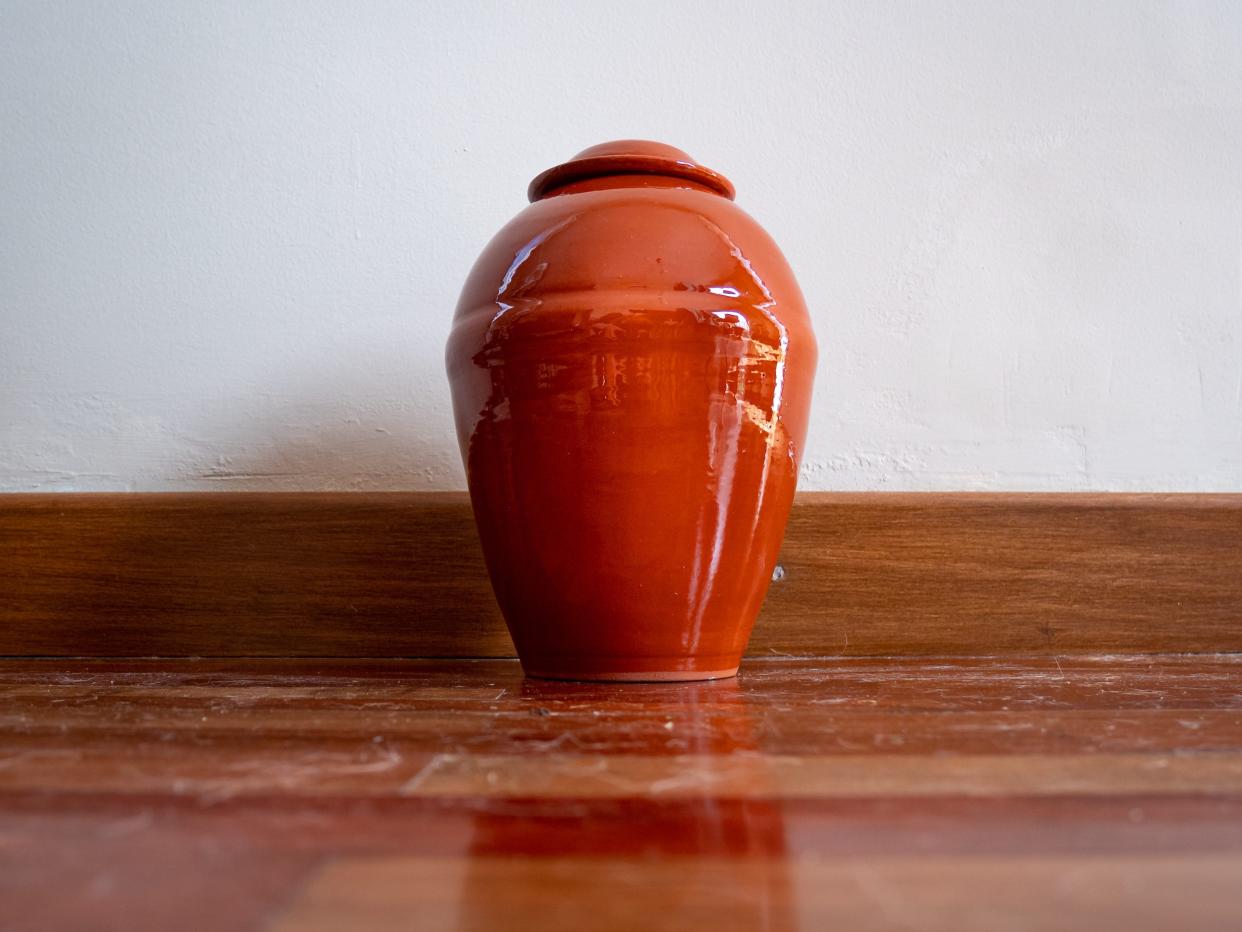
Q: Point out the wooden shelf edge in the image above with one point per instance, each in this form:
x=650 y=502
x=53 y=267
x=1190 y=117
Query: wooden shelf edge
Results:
x=399 y=574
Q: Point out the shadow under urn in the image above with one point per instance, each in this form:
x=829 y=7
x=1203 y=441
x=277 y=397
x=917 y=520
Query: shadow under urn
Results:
x=631 y=364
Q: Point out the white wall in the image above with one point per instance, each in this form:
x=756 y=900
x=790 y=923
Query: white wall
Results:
x=232 y=234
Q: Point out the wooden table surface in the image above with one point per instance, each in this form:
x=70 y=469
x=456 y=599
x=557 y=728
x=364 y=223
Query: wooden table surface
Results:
x=990 y=794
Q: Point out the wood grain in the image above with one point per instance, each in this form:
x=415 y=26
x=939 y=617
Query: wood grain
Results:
x=880 y=794
x=401 y=575
x=1031 y=894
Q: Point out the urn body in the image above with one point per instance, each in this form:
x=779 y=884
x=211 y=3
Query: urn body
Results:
x=631 y=365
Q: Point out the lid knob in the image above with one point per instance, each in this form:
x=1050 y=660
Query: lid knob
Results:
x=628 y=157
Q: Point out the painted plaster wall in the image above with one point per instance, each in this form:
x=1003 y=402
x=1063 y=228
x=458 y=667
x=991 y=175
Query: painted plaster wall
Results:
x=232 y=234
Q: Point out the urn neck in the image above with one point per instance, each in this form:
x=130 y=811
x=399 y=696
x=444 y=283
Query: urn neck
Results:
x=628 y=163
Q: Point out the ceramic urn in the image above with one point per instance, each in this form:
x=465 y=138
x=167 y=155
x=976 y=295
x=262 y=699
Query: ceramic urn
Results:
x=631 y=364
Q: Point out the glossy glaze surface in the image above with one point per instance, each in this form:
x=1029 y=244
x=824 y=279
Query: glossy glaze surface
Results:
x=631 y=364
x=983 y=794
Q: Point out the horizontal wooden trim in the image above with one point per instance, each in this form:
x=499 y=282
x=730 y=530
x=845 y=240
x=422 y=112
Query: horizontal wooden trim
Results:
x=401 y=575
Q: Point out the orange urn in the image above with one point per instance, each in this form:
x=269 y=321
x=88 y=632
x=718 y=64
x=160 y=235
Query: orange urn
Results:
x=631 y=364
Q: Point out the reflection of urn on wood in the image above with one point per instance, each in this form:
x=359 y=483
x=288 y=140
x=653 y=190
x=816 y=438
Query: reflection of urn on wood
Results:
x=661 y=811
x=631 y=365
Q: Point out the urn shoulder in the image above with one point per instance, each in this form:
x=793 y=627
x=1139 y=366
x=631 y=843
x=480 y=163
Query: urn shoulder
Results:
x=638 y=226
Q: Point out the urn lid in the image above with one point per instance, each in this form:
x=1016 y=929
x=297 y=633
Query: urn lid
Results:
x=628 y=157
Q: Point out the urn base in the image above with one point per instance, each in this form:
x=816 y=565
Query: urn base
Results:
x=595 y=671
